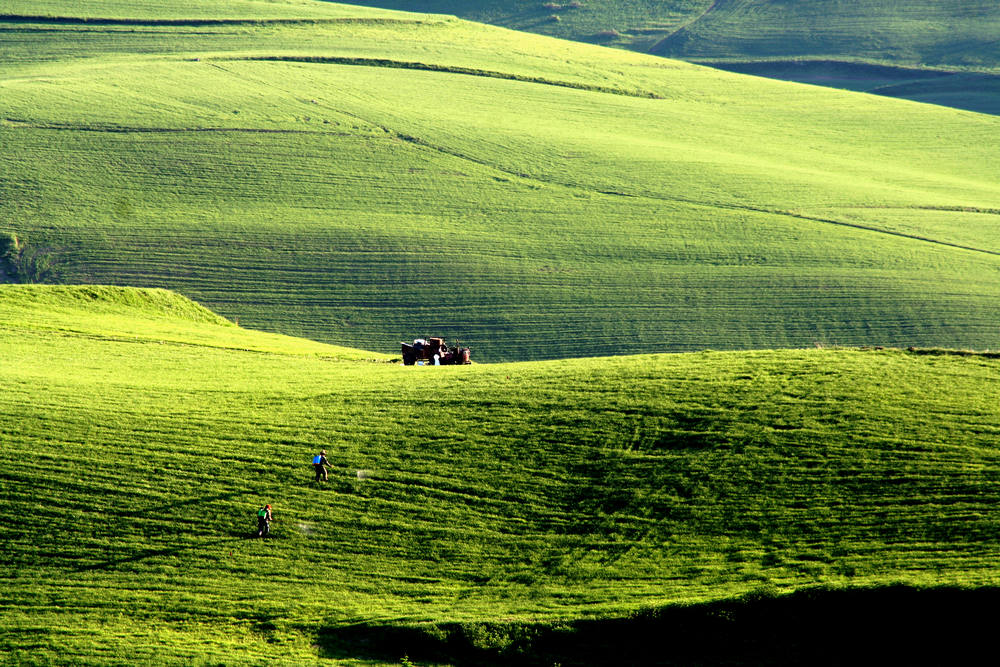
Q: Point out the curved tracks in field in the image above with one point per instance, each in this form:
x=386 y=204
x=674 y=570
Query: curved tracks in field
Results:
x=450 y=69
x=195 y=22
x=659 y=46
x=697 y=202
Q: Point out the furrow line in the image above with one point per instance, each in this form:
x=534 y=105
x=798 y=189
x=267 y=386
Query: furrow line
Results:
x=449 y=69
x=192 y=22
x=691 y=201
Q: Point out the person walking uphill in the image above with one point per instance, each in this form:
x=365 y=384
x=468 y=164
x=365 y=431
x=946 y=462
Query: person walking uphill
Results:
x=320 y=463
x=264 y=521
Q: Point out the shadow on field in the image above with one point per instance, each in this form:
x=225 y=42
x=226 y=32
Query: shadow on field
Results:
x=145 y=554
x=172 y=507
x=971 y=91
x=234 y=536
x=893 y=625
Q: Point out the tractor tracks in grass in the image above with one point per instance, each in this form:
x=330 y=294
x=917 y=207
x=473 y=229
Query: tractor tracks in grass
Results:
x=522 y=175
x=879 y=230
x=619 y=192
x=207 y=22
x=451 y=69
x=695 y=202
x=659 y=47
x=442 y=149
x=136 y=129
x=141 y=339
x=610 y=192
x=947 y=209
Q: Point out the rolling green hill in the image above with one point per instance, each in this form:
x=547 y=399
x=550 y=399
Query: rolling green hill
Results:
x=873 y=45
x=363 y=177
x=945 y=33
x=495 y=513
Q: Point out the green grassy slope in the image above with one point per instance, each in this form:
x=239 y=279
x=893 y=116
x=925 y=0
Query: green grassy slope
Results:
x=545 y=492
x=146 y=316
x=801 y=41
x=364 y=181
x=638 y=24
x=939 y=43
x=179 y=10
x=944 y=33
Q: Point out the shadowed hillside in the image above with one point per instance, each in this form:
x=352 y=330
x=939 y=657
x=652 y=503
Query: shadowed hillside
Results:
x=814 y=627
x=971 y=90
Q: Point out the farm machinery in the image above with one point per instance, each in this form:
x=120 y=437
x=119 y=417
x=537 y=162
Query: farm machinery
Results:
x=434 y=351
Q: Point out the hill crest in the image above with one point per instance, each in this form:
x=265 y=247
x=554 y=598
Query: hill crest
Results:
x=145 y=315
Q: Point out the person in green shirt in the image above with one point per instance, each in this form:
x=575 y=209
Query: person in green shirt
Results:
x=264 y=521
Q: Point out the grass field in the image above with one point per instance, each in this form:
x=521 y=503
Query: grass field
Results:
x=939 y=33
x=363 y=177
x=497 y=508
x=933 y=44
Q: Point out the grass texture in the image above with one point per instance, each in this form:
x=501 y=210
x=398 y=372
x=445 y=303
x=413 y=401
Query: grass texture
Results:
x=931 y=44
x=941 y=33
x=365 y=178
x=474 y=511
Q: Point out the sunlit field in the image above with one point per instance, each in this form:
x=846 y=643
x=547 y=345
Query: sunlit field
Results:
x=487 y=504
x=367 y=178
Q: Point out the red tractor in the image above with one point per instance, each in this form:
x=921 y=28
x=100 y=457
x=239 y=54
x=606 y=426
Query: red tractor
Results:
x=434 y=352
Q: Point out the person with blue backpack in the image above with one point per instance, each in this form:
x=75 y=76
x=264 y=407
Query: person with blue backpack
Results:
x=320 y=463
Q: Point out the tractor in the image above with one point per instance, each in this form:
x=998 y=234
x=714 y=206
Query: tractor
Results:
x=434 y=352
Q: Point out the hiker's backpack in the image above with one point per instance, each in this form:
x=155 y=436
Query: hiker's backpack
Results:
x=317 y=459
x=262 y=512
